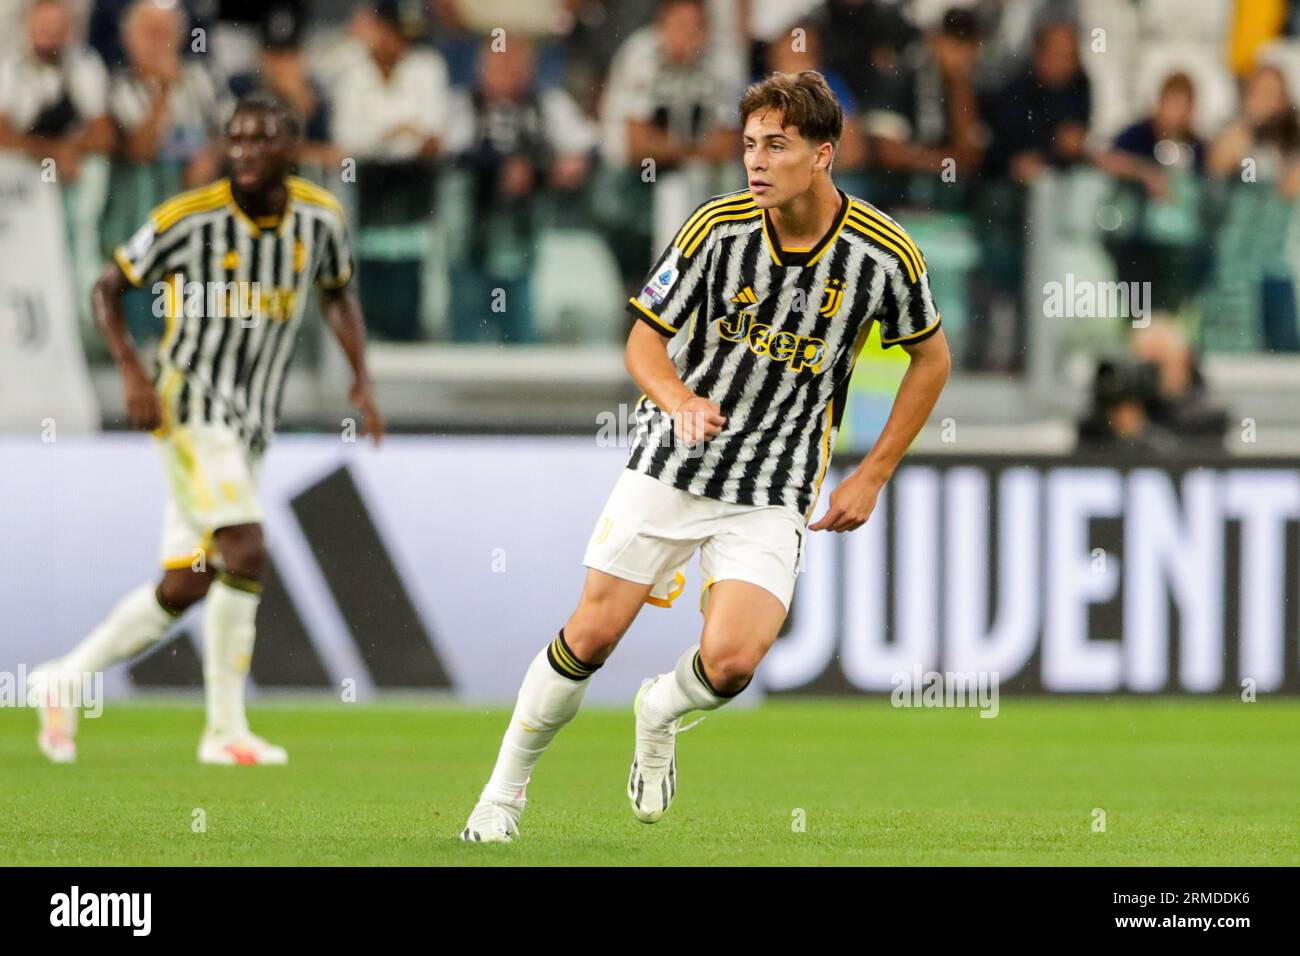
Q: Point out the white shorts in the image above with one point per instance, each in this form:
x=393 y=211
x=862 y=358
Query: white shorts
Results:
x=211 y=484
x=649 y=531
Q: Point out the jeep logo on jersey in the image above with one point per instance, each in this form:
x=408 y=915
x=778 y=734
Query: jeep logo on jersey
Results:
x=800 y=351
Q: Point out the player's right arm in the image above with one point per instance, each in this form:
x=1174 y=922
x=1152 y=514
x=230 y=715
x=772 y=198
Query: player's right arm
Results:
x=671 y=292
x=695 y=419
x=154 y=251
x=143 y=408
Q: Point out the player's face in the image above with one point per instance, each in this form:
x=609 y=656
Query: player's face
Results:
x=780 y=163
x=258 y=150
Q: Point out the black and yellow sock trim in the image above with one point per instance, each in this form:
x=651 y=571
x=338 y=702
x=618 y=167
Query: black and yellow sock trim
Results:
x=565 y=662
x=247 y=585
x=698 y=667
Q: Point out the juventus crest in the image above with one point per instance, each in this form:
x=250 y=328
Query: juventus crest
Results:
x=832 y=297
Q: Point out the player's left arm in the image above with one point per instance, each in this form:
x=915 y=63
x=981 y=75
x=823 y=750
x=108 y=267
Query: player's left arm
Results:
x=854 y=499
x=343 y=313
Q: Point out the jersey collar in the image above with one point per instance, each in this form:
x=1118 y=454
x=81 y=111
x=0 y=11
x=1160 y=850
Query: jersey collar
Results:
x=256 y=227
x=808 y=255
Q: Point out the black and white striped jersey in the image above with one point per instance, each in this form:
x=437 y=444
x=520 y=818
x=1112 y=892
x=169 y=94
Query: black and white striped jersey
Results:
x=771 y=335
x=233 y=292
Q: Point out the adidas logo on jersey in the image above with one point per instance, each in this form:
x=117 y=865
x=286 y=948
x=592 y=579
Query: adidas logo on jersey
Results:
x=745 y=297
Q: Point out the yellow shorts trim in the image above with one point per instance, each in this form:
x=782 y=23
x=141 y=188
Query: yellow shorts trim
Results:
x=679 y=585
x=704 y=594
x=180 y=564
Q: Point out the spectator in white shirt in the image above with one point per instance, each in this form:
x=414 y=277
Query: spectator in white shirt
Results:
x=665 y=100
x=670 y=117
x=52 y=102
x=167 y=107
x=392 y=105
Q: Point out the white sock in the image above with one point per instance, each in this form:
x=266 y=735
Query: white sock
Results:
x=229 y=617
x=677 y=694
x=549 y=698
x=137 y=621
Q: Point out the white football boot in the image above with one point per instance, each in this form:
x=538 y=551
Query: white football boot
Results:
x=246 y=749
x=493 y=821
x=652 y=782
x=57 y=736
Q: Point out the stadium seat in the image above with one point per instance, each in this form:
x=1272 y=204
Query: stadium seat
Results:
x=1110 y=69
x=1120 y=21
x=1202 y=21
x=1112 y=98
x=576 y=289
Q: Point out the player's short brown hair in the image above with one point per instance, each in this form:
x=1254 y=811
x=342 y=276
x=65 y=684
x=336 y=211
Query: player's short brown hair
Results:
x=804 y=100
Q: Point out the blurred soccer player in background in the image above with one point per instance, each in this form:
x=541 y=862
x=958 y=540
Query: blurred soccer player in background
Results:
x=235 y=262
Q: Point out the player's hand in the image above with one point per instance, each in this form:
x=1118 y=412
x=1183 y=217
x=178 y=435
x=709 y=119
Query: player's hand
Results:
x=851 y=503
x=143 y=408
x=698 y=419
x=363 y=397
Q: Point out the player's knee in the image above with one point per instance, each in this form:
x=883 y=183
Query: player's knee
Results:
x=243 y=550
x=730 y=671
x=180 y=589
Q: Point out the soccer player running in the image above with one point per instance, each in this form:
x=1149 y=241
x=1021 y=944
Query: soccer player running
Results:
x=237 y=260
x=777 y=287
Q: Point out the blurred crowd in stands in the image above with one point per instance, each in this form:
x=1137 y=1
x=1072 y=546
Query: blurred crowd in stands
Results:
x=511 y=166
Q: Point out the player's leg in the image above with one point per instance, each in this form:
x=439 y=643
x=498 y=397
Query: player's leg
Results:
x=552 y=692
x=141 y=618
x=213 y=479
x=229 y=631
x=634 y=551
x=750 y=566
x=740 y=626
x=741 y=623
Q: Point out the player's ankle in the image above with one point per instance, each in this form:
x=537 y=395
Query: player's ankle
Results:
x=495 y=793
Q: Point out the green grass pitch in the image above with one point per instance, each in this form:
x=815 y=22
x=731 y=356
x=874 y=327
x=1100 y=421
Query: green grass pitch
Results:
x=1181 y=781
